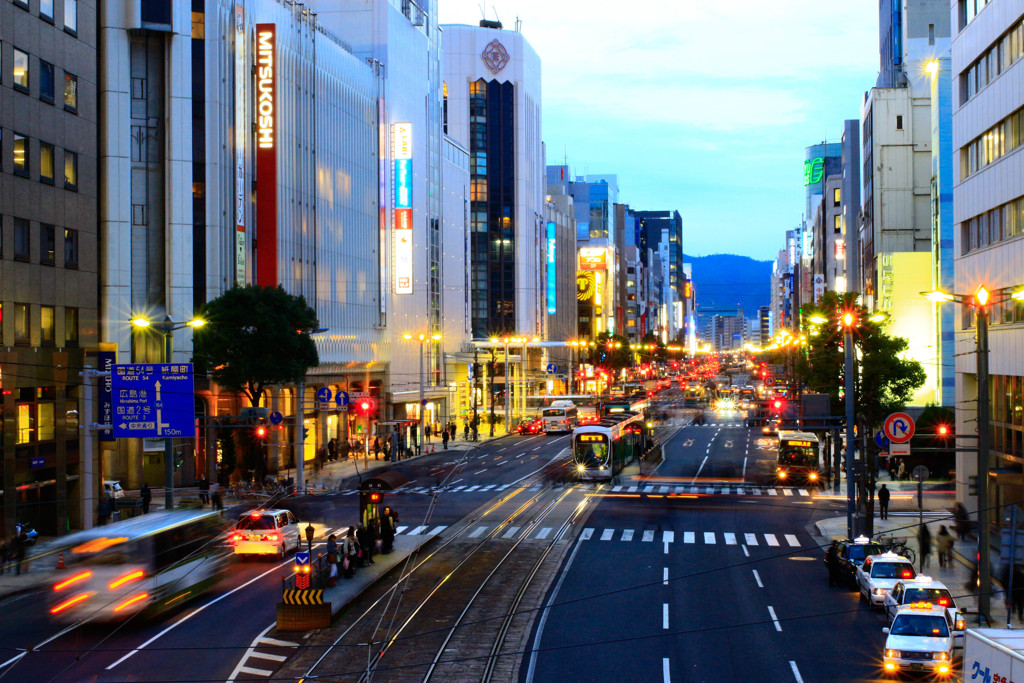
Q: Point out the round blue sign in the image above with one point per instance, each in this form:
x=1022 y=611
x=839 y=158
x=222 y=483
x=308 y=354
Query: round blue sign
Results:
x=276 y=417
x=323 y=394
x=341 y=398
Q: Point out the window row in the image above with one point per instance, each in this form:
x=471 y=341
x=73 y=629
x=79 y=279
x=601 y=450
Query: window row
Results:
x=35 y=418
x=46 y=8
x=40 y=157
x=27 y=70
x=993 y=144
x=42 y=319
x=1001 y=223
x=47 y=241
x=968 y=9
x=994 y=61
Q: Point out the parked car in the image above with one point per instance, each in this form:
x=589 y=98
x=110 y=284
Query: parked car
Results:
x=852 y=554
x=112 y=488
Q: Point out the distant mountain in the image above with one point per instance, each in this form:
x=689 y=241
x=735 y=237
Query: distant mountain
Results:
x=727 y=282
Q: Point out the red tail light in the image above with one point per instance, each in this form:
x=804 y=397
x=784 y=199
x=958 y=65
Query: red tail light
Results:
x=944 y=602
x=270 y=537
x=69 y=602
x=906 y=574
x=127 y=578
x=237 y=537
x=74 y=579
x=131 y=601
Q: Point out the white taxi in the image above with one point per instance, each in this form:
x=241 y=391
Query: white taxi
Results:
x=266 y=532
x=919 y=589
x=877 y=576
x=922 y=638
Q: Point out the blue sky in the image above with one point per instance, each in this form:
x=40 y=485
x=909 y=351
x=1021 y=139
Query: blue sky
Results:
x=700 y=106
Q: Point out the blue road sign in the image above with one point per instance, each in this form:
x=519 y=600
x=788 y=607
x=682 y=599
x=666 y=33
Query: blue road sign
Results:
x=552 y=368
x=301 y=558
x=276 y=417
x=341 y=398
x=153 y=400
x=107 y=360
x=323 y=394
x=881 y=440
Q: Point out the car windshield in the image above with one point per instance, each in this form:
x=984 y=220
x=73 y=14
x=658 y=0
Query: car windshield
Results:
x=892 y=570
x=261 y=522
x=937 y=596
x=928 y=625
x=859 y=551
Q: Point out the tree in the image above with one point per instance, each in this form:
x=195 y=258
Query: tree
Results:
x=255 y=337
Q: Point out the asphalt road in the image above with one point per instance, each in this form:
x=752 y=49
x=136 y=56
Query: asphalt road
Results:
x=205 y=639
x=738 y=592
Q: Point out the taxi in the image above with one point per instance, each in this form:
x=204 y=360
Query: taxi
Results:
x=879 y=574
x=852 y=554
x=922 y=638
x=919 y=589
x=266 y=532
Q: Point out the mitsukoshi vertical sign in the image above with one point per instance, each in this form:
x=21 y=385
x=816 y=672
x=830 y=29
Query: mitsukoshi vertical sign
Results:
x=266 y=155
x=402 y=155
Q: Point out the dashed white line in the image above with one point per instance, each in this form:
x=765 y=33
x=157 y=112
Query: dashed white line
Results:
x=664 y=615
x=480 y=472
x=775 y=619
x=664 y=577
x=757 y=577
x=745 y=551
x=796 y=672
x=699 y=469
x=666 y=676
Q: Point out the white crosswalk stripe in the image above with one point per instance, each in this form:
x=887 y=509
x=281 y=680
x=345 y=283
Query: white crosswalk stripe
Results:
x=668 y=536
x=472 y=488
x=478 y=532
x=803 y=492
x=488 y=488
x=730 y=539
x=709 y=537
x=627 y=534
x=544 y=533
x=751 y=539
x=773 y=492
x=586 y=534
x=787 y=492
x=437 y=530
x=401 y=529
x=607 y=534
x=648 y=536
x=632 y=489
x=512 y=531
x=458 y=488
x=770 y=538
x=689 y=537
x=418 y=530
x=791 y=539
x=616 y=489
x=502 y=487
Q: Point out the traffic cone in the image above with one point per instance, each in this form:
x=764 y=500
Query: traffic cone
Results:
x=60 y=561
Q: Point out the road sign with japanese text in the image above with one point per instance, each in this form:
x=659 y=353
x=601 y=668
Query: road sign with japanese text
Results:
x=153 y=400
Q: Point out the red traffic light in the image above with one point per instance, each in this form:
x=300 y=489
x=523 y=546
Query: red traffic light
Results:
x=365 y=405
x=261 y=431
x=943 y=430
x=374 y=497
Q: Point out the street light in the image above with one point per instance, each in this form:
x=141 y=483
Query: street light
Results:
x=166 y=327
x=422 y=338
x=980 y=300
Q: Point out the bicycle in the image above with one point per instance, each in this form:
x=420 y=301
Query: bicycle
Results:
x=898 y=545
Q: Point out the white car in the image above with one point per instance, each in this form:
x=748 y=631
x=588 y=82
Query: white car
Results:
x=922 y=638
x=879 y=574
x=266 y=532
x=112 y=488
x=920 y=589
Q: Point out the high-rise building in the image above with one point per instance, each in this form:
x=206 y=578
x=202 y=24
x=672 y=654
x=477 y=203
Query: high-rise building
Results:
x=988 y=218
x=764 y=325
x=49 y=258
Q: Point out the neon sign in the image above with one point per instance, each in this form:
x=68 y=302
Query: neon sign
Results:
x=265 y=86
x=552 y=271
x=266 y=155
x=593 y=258
x=402 y=175
x=813 y=170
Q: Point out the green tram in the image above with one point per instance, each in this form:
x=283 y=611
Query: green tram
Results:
x=601 y=450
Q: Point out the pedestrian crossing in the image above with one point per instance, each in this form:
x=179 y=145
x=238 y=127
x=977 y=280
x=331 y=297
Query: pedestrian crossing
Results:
x=661 y=490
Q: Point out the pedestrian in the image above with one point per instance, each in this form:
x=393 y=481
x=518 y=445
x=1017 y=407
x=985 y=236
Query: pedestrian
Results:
x=376 y=448
x=883 y=502
x=924 y=541
x=444 y=438
x=332 y=560
x=146 y=496
x=104 y=510
x=465 y=430
x=215 y=495
x=414 y=435
x=332 y=450
x=387 y=530
x=393 y=439
x=350 y=550
x=204 y=491
x=427 y=433
x=373 y=537
x=20 y=548
x=961 y=521
x=901 y=473
x=365 y=543
x=944 y=546
x=832 y=564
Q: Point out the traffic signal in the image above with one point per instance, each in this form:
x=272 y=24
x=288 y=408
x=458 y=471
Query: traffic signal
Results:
x=365 y=406
x=261 y=431
x=942 y=430
x=375 y=497
x=777 y=406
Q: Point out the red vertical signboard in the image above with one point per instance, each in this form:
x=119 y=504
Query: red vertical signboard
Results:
x=266 y=155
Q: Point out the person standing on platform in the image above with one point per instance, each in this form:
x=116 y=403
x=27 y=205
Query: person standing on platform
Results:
x=883 y=502
x=146 y=496
x=444 y=438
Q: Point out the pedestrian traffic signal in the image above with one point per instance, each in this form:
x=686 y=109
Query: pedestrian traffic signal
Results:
x=374 y=497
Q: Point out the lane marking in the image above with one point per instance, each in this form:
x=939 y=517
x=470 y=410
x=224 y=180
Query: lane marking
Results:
x=479 y=472
x=745 y=551
x=668 y=536
x=489 y=487
x=648 y=536
x=773 y=492
x=401 y=529
x=437 y=530
x=472 y=488
x=587 y=533
x=796 y=672
x=664 y=577
x=275 y=642
x=803 y=492
x=607 y=534
x=751 y=539
x=478 y=532
x=418 y=530
x=744 y=469
x=627 y=535
x=709 y=537
x=792 y=540
x=616 y=489
x=254 y=672
x=772 y=541
x=512 y=531
x=730 y=539
x=688 y=537
x=757 y=577
x=699 y=469
x=775 y=619
x=544 y=533
x=666 y=677
x=787 y=492
x=664 y=615
x=267 y=655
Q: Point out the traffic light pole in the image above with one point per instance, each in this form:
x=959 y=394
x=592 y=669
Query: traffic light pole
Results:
x=300 y=435
x=984 y=530
x=848 y=390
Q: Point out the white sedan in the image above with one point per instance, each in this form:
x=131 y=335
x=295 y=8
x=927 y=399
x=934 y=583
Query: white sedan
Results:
x=879 y=574
x=920 y=589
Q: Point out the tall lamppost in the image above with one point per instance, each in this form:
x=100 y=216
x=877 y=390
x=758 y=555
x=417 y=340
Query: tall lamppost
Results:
x=980 y=300
x=422 y=338
x=167 y=328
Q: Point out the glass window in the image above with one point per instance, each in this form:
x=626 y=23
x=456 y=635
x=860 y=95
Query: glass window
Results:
x=71 y=412
x=46 y=9
x=45 y=421
x=45 y=81
x=22 y=248
x=47 y=244
x=46 y=321
x=45 y=162
x=20 y=70
x=899 y=122
x=70 y=248
x=836 y=196
x=21 y=335
x=20 y=154
x=71 y=15
x=70 y=92
x=70 y=326
x=837 y=224
x=26 y=422
x=70 y=170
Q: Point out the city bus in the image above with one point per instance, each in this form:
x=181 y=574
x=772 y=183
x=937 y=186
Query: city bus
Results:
x=560 y=416
x=798 y=458
x=142 y=565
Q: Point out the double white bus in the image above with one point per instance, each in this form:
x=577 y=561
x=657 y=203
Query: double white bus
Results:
x=560 y=416
x=145 y=564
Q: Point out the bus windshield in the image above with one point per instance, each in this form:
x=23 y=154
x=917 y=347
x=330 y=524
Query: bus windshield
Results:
x=798 y=454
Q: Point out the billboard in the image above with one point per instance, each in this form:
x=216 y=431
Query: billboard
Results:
x=402 y=175
x=552 y=272
x=241 y=130
x=266 y=155
x=593 y=258
x=586 y=286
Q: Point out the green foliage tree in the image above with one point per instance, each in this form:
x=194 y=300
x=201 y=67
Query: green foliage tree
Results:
x=255 y=337
x=886 y=379
x=612 y=352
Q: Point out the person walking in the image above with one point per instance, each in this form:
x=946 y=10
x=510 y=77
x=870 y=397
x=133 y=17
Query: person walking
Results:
x=146 y=496
x=832 y=564
x=465 y=430
x=414 y=437
x=376 y=448
x=332 y=450
x=883 y=502
x=215 y=495
x=901 y=472
x=427 y=433
x=444 y=438
x=960 y=521
x=20 y=549
x=944 y=546
x=350 y=549
x=332 y=560
x=365 y=543
x=924 y=541
x=388 y=523
x=204 y=491
x=373 y=539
